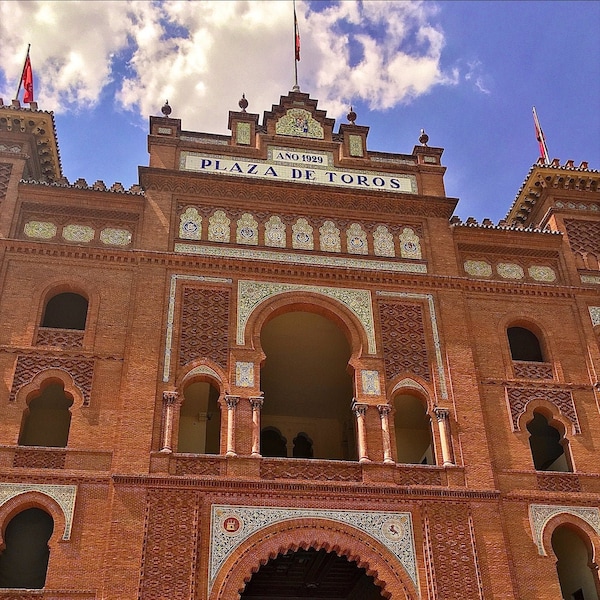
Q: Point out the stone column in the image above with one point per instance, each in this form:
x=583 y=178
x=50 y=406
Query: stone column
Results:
x=169 y=400
x=231 y=402
x=360 y=410
x=256 y=402
x=384 y=411
x=443 y=415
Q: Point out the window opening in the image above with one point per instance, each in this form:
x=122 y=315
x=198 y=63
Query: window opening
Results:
x=47 y=419
x=414 y=442
x=24 y=560
x=524 y=345
x=199 y=420
x=302 y=446
x=272 y=443
x=547 y=445
x=66 y=311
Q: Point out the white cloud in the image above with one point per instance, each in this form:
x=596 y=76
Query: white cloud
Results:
x=203 y=55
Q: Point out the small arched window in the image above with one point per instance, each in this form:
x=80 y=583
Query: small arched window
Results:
x=303 y=446
x=47 y=419
x=524 y=345
x=24 y=560
x=575 y=576
x=547 y=445
x=200 y=420
x=414 y=442
x=272 y=443
x=66 y=311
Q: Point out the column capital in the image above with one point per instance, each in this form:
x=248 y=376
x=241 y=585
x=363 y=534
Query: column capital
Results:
x=384 y=409
x=442 y=414
x=231 y=401
x=360 y=410
x=256 y=402
x=170 y=397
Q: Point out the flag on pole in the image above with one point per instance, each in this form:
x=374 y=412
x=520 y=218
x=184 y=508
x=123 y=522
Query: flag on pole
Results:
x=27 y=81
x=539 y=134
x=297 y=35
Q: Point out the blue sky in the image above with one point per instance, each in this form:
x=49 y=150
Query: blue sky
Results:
x=467 y=72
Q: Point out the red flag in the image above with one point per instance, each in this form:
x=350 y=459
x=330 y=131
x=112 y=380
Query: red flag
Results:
x=297 y=35
x=27 y=81
x=539 y=134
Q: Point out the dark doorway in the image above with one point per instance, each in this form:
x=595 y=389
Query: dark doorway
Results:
x=314 y=574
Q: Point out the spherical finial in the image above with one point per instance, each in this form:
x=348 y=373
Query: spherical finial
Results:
x=166 y=109
x=243 y=103
x=423 y=138
x=351 y=116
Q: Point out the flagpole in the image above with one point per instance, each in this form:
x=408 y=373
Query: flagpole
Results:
x=540 y=138
x=296 y=87
x=22 y=73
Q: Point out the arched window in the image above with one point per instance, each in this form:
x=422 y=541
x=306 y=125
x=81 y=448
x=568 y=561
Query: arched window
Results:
x=547 y=445
x=272 y=443
x=524 y=345
x=414 y=443
x=66 y=311
x=24 y=560
x=200 y=420
x=575 y=574
x=47 y=419
x=303 y=447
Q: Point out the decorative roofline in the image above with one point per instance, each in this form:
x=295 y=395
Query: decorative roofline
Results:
x=82 y=184
x=472 y=223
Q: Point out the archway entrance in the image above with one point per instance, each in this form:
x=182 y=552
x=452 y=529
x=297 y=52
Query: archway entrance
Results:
x=314 y=574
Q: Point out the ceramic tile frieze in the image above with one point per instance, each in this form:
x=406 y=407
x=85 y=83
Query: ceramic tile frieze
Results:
x=190 y=224
x=247 y=230
x=275 y=232
x=78 y=233
x=434 y=327
x=112 y=236
x=63 y=495
x=356 y=239
x=410 y=245
x=253 y=293
x=593 y=279
x=330 y=237
x=478 y=268
x=232 y=525
x=218 y=227
x=383 y=242
x=540 y=514
x=542 y=273
x=302 y=235
x=594 y=315
x=43 y=230
x=510 y=271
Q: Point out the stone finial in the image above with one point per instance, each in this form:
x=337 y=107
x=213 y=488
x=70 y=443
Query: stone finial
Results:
x=166 y=109
x=423 y=138
x=351 y=116
x=243 y=103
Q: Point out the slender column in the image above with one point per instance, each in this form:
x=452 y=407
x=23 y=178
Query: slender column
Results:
x=384 y=411
x=256 y=402
x=169 y=400
x=231 y=402
x=443 y=415
x=360 y=410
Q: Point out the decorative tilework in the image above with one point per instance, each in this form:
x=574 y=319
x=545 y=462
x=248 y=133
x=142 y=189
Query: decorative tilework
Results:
x=302 y=235
x=218 y=227
x=242 y=132
x=275 y=232
x=299 y=122
x=542 y=273
x=78 y=233
x=247 y=230
x=330 y=237
x=203 y=370
x=410 y=246
x=436 y=337
x=43 y=230
x=244 y=374
x=230 y=526
x=356 y=145
x=383 y=242
x=510 y=271
x=115 y=237
x=540 y=514
x=594 y=315
x=63 y=495
x=302 y=259
x=594 y=279
x=253 y=293
x=478 y=268
x=370 y=383
x=190 y=224
x=356 y=240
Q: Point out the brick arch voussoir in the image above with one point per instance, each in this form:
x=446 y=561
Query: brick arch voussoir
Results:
x=552 y=413
x=296 y=534
x=27 y=391
x=589 y=537
x=301 y=301
x=200 y=370
x=33 y=499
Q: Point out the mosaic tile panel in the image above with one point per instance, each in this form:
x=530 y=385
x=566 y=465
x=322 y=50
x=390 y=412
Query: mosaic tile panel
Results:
x=63 y=495
x=253 y=293
x=300 y=123
x=410 y=245
x=219 y=227
x=329 y=238
x=356 y=145
x=383 y=242
x=78 y=233
x=370 y=383
x=478 y=268
x=510 y=271
x=540 y=514
x=356 y=240
x=244 y=374
x=593 y=279
x=115 y=237
x=5 y=171
x=190 y=224
x=242 y=132
x=247 y=230
x=542 y=273
x=275 y=234
x=302 y=235
x=232 y=525
x=594 y=315
x=43 y=230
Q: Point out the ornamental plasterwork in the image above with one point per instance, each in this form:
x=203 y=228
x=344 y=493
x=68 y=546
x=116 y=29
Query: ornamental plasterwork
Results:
x=330 y=237
x=275 y=232
x=410 y=246
x=355 y=145
x=253 y=293
x=244 y=374
x=478 y=268
x=594 y=315
x=63 y=495
x=301 y=259
x=356 y=239
x=78 y=233
x=115 y=237
x=542 y=273
x=230 y=526
x=247 y=230
x=302 y=235
x=434 y=328
x=383 y=242
x=242 y=133
x=190 y=224
x=540 y=514
x=171 y=314
x=299 y=122
x=43 y=230
x=510 y=271
x=218 y=227
x=370 y=383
